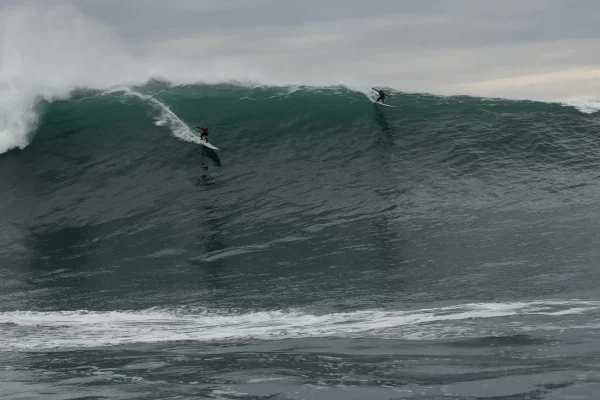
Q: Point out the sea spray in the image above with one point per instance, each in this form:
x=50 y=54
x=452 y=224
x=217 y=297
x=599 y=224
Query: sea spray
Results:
x=48 y=51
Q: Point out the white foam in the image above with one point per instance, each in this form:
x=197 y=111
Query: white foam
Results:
x=49 y=50
x=28 y=330
x=587 y=107
x=166 y=116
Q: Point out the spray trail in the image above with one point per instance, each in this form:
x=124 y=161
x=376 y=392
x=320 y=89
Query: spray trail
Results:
x=166 y=117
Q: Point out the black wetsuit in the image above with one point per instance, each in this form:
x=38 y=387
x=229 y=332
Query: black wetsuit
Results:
x=381 y=96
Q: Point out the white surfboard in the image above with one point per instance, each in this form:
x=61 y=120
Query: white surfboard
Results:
x=210 y=146
x=382 y=104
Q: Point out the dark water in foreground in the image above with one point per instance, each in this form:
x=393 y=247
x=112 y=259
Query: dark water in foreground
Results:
x=444 y=249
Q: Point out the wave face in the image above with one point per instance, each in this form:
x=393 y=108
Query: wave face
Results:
x=442 y=248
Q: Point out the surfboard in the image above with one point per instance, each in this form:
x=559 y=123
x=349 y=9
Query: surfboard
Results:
x=383 y=104
x=210 y=146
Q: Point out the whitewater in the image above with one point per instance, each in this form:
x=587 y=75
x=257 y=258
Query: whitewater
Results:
x=80 y=329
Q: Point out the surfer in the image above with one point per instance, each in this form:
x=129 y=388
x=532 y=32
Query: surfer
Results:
x=204 y=134
x=381 y=95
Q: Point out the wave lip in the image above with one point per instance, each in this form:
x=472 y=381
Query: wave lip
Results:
x=30 y=330
x=586 y=107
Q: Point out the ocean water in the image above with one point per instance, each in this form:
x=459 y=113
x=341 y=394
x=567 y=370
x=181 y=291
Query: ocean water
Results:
x=447 y=248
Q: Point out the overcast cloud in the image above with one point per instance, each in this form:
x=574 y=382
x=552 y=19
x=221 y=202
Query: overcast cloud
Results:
x=520 y=49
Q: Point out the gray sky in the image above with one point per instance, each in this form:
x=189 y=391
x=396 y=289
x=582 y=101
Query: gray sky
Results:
x=521 y=49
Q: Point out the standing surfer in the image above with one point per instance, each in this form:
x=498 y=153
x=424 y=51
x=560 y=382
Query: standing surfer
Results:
x=381 y=95
x=204 y=134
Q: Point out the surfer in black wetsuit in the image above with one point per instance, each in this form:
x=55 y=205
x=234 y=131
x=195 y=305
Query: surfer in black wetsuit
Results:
x=381 y=95
x=204 y=134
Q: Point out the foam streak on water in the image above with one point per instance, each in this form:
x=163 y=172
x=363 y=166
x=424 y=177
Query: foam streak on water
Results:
x=167 y=117
x=72 y=329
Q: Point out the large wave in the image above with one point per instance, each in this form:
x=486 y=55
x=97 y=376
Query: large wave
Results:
x=50 y=50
